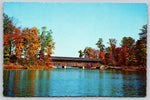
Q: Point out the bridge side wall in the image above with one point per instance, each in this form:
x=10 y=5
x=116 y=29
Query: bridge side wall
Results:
x=76 y=64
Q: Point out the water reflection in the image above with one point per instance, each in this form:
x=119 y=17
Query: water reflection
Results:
x=74 y=82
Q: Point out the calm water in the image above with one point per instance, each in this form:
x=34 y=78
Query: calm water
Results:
x=74 y=82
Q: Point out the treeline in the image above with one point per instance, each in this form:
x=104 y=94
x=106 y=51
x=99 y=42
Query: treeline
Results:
x=130 y=52
x=26 y=46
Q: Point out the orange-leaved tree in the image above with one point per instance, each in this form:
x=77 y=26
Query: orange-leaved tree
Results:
x=18 y=42
x=31 y=44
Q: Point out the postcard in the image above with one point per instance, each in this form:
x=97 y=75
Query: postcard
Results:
x=74 y=49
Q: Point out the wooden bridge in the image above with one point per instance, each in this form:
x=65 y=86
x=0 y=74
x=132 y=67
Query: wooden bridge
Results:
x=76 y=62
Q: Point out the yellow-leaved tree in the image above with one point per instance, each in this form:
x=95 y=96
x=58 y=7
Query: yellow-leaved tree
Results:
x=31 y=44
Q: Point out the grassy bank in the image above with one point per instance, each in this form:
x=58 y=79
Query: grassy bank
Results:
x=12 y=66
x=128 y=68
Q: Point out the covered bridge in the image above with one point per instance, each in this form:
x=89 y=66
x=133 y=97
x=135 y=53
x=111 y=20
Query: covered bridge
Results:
x=75 y=62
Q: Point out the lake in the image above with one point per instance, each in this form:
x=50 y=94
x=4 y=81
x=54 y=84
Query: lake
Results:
x=74 y=82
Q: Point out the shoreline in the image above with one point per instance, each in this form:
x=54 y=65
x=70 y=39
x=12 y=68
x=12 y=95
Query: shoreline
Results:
x=128 y=68
x=12 y=66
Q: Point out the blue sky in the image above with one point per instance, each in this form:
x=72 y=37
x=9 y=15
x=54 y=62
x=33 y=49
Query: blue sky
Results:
x=78 y=25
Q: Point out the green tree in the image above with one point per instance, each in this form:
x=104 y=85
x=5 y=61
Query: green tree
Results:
x=8 y=24
x=108 y=49
x=100 y=44
x=8 y=29
x=132 y=57
x=141 y=54
x=81 y=54
x=143 y=34
x=6 y=54
x=87 y=51
x=112 y=42
x=47 y=43
x=129 y=43
x=127 y=40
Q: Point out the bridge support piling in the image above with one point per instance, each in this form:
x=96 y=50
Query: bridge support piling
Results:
x=83 y=67
x=64 y=67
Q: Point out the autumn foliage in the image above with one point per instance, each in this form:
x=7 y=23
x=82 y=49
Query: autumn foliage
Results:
x=130 y=53
x=25 y=46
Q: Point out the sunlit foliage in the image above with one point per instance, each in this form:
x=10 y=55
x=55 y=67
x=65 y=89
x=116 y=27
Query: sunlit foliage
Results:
x=131 y=52
x=27 y=45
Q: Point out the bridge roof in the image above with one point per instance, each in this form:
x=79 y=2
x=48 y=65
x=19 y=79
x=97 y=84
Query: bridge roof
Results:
x=57 y=58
